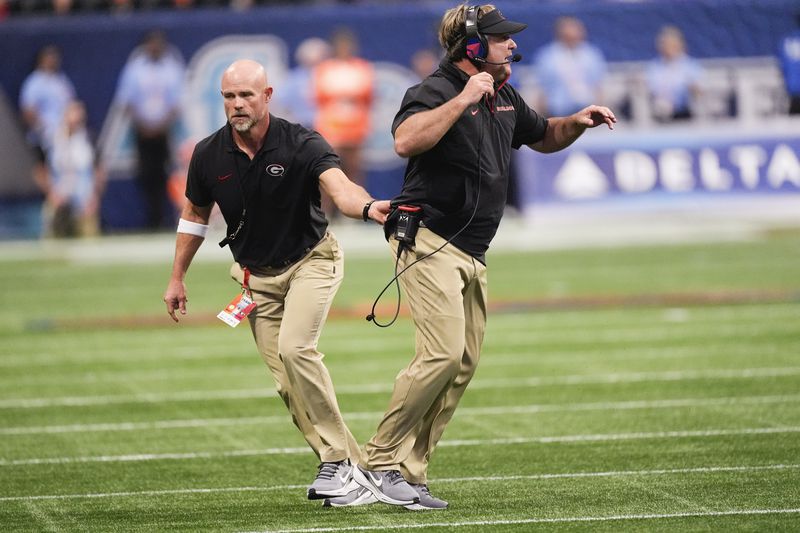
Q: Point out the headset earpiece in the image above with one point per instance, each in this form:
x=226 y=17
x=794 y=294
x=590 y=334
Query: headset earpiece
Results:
x=477 y=45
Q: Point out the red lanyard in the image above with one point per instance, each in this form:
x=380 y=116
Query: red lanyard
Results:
x=246 y=281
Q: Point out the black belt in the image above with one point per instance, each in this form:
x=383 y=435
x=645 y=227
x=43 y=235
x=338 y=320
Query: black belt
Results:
x=290 y=261
x=293 y=259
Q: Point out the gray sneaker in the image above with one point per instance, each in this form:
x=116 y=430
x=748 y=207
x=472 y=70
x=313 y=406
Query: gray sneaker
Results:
x=426 y=500
x=387 y=486
x=333 y=479
x=360 y=496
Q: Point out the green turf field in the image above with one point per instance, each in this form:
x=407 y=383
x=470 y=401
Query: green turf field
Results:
x=644 y=389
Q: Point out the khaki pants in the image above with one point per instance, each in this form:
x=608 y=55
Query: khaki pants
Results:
x=292 y=305
x=447 y=296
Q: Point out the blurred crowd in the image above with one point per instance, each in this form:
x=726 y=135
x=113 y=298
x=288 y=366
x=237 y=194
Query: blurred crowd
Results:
x=66 y=7
x=330 y=89
x=67 y=167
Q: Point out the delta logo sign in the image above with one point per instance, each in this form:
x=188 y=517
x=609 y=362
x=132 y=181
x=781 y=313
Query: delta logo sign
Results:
x=707 y=164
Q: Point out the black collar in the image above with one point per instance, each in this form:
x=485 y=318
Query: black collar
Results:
x=452 y=71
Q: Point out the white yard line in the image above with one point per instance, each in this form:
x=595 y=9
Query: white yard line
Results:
x=447 y=443
x=599 y=437
x=152 y=457
x=370 y=415
x=502 y=337
x=639 y=336
x=239 y=394
x=236 y=364
x=146 y=426
x=554 y=520
x=480 y=479
x=501 y=333
x=145 y=493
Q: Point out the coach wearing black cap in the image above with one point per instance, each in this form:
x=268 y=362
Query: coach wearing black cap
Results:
x=457 y=129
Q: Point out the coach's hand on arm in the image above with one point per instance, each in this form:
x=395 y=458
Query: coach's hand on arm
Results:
x=186 y=245
x=563 y=131
x=421 y=131
x=351 y=199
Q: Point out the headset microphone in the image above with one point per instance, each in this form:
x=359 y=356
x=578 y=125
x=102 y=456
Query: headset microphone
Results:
x=514 y=59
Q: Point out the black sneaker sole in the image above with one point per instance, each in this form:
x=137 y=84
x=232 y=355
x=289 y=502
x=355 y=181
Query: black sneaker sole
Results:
x=312 y=495
x=349 y=486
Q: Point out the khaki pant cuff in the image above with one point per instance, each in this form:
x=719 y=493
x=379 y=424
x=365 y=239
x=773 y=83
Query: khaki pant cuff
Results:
x=334 y=458
x=378 y=468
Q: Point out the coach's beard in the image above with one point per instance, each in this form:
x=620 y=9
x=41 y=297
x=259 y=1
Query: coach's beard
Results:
x=245 y=126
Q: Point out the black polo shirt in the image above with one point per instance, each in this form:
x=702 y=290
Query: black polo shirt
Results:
x=279 y=189
x=444 y=180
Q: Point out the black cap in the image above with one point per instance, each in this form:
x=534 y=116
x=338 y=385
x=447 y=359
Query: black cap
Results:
x=494 y=23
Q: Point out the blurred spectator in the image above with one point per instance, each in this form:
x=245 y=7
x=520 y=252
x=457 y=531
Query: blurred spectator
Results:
x=789 y=54
x=570 y=70
x=121 y=7
x=150 y=88
x=62 y=7
x=43 y=99
x=673 y=79
x=344 y=85
x=241 y=5
x=297 y=96
x=176 y=185
x=424 y=62
x=75 y=184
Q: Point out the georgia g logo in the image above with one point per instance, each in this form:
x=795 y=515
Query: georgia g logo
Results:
x=275 y=170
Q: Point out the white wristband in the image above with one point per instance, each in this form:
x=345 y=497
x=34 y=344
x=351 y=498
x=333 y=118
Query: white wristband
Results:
x=192 y=228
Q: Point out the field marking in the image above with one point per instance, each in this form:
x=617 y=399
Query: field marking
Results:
x=531 y=477
x=240 y=394
x=502 y=336
x=369 y=415
x=554 y=520
x=336 y=339
x=143 y=426
x=600 y=437
x=236 y=364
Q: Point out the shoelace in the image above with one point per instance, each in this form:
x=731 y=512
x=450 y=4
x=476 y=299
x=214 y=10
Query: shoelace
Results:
x=394 y=477
x=328 y=470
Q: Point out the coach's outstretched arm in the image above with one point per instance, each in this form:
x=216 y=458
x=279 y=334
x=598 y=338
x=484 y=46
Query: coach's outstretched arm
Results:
x=192 y=229
x=563 y=131
x=352 y=199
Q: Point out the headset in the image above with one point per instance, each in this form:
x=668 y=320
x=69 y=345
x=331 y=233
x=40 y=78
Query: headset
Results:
x=477 y=45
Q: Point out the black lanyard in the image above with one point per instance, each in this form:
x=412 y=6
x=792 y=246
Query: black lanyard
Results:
x=239 y=180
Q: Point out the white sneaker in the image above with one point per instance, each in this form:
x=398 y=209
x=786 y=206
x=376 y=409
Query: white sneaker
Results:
x=333 y=479
x=427 y=502
x=387 y=486
x=360 y=496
